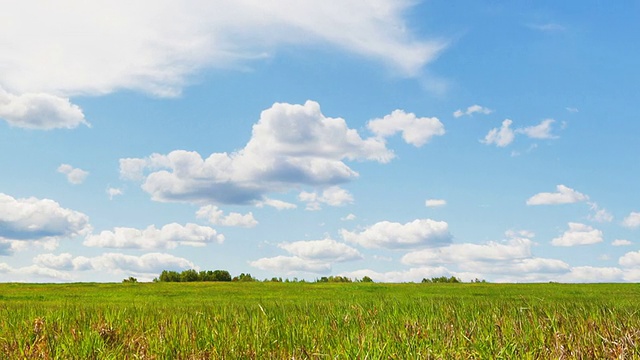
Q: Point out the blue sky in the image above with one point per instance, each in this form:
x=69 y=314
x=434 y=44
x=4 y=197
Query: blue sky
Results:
x=394 y=139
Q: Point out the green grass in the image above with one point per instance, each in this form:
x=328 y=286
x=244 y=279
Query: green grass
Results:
x=323 y=321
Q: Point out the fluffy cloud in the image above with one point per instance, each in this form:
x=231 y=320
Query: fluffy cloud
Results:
x=578 y=234
x=461 y=253
x=541 y=131
x=333 y=196
x=39 y=219
x=409 y=275
x=278 y=204
x=435 y=203
x=632 y=221
x=74 y=175
x=564 y=195
x=322 y=250
x=168 y=237
x=500 y=137
x=592 y=274
x=291 y=145
x=291 y=264
x=216 y=216
x=415 y=131
x=393 y=235
x=113 y=192
x=630 y=259
x=156 y=47
x=599 y=215
x=472 y=110
x=621 y=242
x=39 y=111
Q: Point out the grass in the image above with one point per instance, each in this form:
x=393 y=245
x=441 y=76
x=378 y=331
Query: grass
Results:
x=319 y=321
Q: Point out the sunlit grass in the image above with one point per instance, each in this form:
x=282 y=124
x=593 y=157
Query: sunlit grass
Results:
x=324 y=321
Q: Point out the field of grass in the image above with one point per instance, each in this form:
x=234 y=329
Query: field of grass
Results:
x=323 y=321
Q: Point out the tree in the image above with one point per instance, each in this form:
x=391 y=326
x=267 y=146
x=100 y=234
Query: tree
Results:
x=131 y=279
x=189 y=276
x=366 y=279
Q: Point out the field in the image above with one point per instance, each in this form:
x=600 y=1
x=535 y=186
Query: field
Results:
x=323 y=321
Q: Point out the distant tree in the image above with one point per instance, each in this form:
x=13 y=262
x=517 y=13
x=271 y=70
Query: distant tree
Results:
x=442 y=280
x=169 y=276
x=189 y=276
x=244 y=278
x=366 y=279
x=131 y=279
x=221 y=275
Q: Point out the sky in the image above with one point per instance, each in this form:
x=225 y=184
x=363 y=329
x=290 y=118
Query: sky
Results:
x=393 y=139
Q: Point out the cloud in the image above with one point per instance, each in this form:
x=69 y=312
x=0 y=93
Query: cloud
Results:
x=216 y=216
x=591 y=274
x=472 y=110
x=168 y=237
x=460 y=253
x=500 y=137
x=632 y=221
x=290 y=146
x=349 y=217
x=322 y=250
x=393 y=235
x=159 y=48
x=548 y=27
x=39 y=111
x=291 y=264
x=333 y=196
x=621 y=242
x=541 y=131
x=401 y=276
x=630 y=259
x=578 y=234
x=435 y=203
x=572 y=109
x=415 y=131
x=278 y=204
x=113 y=192
x=36 y=219
x=564 y=195
x=74 y=175
x=599 y=215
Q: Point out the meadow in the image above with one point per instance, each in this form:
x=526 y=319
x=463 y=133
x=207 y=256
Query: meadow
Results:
x=255 y=320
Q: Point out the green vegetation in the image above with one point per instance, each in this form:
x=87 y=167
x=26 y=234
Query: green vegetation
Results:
x=262 y=320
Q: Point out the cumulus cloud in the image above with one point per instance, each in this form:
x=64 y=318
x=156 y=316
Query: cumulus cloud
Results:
x=74 y=175
x=460 y=253
x=113 y=192
x=578 y=234
x=472 y=110
x=621 y=242
x=541 y=131
x=502 y=136
x=333 y=196
x=167 y=237
x=632 y=221
x=435 y=203
x=39 y=219
x=415 y=131
x=278 y=204
x=216 y=216
x=563 y=195
x=39 y=111
x=393 y=235
x=630 y=259
x=291 y=264
x=157 y=48
x=593 y=274
x=322 y=250
x=349 y=217
x=409 y=275
x=290 y=146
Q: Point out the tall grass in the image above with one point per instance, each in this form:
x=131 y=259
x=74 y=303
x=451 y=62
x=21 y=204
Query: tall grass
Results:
x=323 y=321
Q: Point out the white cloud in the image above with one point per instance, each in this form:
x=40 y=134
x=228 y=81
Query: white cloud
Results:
x=572 y=109
x=74 y=175
x=472 y=110
x=564 y=195
x=500 y=137
x=113 y=192
x=393 y=235
x=278 y=204
x=349 y=217
x=415 y=131
x=541 y=131
x=461 y=253
x=632 y=221
x=333 y=196
x=216 y=216
x=592 y=274
x=548 y=27
x=435 y=203
x=400 y=276
x=322 y=250
x=158 y=47
x=291 y=264
x=39 y=111
x=630 y=259
x=291 y=145
x=578 y=234
x=621 y=242
x=168 y=237
x=599 y=215
x=36 y=219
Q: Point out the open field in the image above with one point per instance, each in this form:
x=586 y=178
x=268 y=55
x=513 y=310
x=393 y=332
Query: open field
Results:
x=324 y=321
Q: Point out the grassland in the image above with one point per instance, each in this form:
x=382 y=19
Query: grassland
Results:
x=323 y=321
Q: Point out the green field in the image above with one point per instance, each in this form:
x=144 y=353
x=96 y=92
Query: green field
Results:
x=325 y=321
